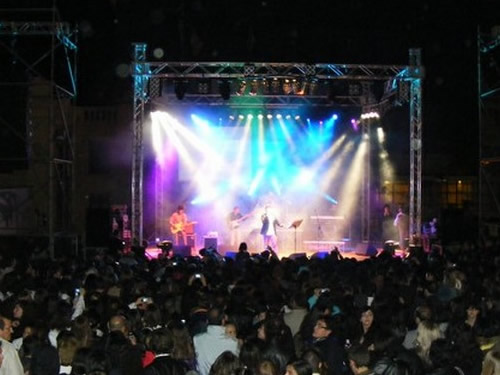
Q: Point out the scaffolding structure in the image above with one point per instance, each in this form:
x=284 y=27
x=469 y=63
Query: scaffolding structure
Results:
x=488 y=79
x=149 y=76
x=54 y=71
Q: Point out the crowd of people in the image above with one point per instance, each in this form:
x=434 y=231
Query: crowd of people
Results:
x=119 y=313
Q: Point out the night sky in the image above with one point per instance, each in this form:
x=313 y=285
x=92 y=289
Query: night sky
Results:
x=352 y=31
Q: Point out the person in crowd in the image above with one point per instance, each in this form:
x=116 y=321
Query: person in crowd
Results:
x=11 y=364
x=367 y=334
x=315 y=359
x=227 y=363
x=209 y=345
x=267 y=367
x=422 y=314
x=278 y=341
x=298 y=310
x=299 y=367
x=359 y=360
x=251 y=355
x=329 y=345
x=427 y=332
x=161 y=344
x=491 y=363
x=67 y=346
x=183 y=349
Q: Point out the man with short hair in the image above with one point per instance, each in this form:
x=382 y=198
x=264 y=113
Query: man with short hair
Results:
x=118 y=323
x=209 y=345
x=330 y=346
x=11 y=364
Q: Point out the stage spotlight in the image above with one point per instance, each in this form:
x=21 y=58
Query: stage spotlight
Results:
x=297 y=117
x=250 y=116
x=335 y=116
x=260 y=116
x=288 y=117
x=269 y=116
x=278 y=116
x=180 y=89
x=241 y=117
x=370 y=115
x=225 y=90
x=231 y=117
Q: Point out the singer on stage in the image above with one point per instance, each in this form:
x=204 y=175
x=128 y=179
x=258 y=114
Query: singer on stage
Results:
x=268 y=229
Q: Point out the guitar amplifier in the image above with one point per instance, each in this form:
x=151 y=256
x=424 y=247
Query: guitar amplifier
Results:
x=189 y=228
x=210 y=242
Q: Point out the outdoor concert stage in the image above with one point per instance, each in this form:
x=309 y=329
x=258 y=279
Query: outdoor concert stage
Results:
x=301 y=145
x=302 y=168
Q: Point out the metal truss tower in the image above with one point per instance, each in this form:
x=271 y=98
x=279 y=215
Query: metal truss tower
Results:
x=488 y=79
x=59 y=43
x=415 y=75
x=148 y=75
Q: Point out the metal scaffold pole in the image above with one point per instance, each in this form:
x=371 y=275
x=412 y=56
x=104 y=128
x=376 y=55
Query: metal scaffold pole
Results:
x=366 y=182
x=50 y=115
x=416 y=74
x=140 y=74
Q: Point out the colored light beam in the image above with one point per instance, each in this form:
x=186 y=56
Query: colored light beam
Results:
x=331 y=173
x=286 y=133
x=349 y=194
x=210 y=154
x=203 y=125
x=256 y=181
x=156 y=135
x=242 y=150
x=276 y=185
x=328 y=153
x=263 y=157
x=176 y=142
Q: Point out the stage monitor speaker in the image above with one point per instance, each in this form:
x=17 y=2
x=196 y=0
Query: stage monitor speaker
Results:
x=366 y=249
x=320 y=254
x=297 y=255
x=231 y=254
x=210 y=242
x=182 y=250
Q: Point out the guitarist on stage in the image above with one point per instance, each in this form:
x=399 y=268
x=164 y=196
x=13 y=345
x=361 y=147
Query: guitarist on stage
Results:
x=178 y=222
x=234 y=219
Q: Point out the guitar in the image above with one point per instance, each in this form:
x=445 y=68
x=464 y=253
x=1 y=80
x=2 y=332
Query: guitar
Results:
x=180 y=227
x=233 y=224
